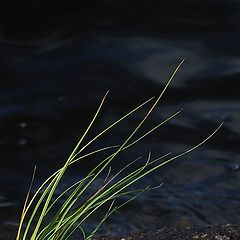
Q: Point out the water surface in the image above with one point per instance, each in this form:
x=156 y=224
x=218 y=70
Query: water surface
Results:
x=49 y=94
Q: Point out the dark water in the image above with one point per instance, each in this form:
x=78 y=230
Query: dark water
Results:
x=49 y=92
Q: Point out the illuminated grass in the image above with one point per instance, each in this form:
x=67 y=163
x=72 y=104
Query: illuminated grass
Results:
x=35 y=223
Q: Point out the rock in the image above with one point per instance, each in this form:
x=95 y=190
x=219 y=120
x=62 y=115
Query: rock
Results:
x=224 y=232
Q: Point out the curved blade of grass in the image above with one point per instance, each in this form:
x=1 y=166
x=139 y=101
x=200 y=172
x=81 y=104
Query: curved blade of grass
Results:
x=108 y=174
x=83 y=233
x=153 y=129
x=25 y=204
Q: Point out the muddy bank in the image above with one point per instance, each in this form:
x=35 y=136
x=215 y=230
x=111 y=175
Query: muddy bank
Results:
x=225 y=232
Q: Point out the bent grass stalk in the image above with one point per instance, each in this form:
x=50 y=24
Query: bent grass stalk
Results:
x=71 y=215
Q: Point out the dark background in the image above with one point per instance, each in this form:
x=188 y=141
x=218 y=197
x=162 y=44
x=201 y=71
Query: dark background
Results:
x=58 y=58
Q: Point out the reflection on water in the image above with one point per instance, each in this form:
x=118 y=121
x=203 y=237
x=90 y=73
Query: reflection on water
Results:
x=48 y=96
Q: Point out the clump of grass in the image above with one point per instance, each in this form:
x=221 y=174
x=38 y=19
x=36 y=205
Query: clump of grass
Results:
x=69 y=217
